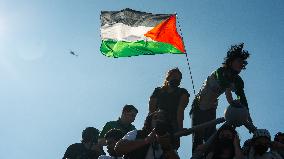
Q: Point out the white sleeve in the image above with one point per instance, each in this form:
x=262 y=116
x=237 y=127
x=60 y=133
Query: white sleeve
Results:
x=101 y=157
x=104 y=157
x=130 y=135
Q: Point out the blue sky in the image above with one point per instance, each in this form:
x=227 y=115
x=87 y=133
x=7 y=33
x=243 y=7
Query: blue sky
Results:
x=49 y=96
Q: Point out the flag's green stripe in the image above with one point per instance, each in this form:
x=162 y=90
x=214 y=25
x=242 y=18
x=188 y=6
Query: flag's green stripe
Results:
x=113 y=48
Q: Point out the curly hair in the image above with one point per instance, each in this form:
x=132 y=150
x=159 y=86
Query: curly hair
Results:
x=148 y=122
x=236 y=51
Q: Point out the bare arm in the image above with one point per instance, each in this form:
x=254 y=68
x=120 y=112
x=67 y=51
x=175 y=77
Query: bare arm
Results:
x=241 y=97
x=125 y=146
x=229 y=96
x=180 y=112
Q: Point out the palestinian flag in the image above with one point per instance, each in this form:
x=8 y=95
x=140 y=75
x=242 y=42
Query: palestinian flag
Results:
x=128 y=33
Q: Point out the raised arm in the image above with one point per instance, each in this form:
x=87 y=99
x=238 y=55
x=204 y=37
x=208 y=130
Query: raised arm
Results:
x=229 y=96
x=125 y=146
x=239 y=84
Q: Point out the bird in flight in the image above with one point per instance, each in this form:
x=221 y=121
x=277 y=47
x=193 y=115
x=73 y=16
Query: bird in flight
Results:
x=73 y=53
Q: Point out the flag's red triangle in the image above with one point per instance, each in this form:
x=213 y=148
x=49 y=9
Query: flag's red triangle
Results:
x=167 y=32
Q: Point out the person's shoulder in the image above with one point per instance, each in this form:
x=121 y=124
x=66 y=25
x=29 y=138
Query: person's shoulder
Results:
x=184 y=91
x=75 y=145
x=73 y=149
x=218 y=72
x=220 y=69
x=109 y=123
x=156 y=92
x=158 y=89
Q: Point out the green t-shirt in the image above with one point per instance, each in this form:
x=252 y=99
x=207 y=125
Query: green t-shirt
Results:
x=116 y=125
x=225 y=77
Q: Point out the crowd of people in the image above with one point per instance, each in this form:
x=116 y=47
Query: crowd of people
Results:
x=159 y=137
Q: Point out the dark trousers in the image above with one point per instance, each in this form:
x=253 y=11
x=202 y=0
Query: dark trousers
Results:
x=198 y=117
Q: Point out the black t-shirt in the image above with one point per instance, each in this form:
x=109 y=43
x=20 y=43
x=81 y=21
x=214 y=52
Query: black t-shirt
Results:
x=78 y=151
x=169 y=101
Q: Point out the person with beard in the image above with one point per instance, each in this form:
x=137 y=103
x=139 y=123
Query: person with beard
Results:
x=260 y=143
x=154 y=141
x=225 y=79
x=112 y=137
x=172 y=99
x=87 y=149
x=226 y=144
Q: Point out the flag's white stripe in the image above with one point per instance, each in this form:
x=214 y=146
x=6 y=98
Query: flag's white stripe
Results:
x=122 y=32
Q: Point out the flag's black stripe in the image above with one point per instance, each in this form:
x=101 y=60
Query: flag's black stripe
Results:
x=132 y=18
